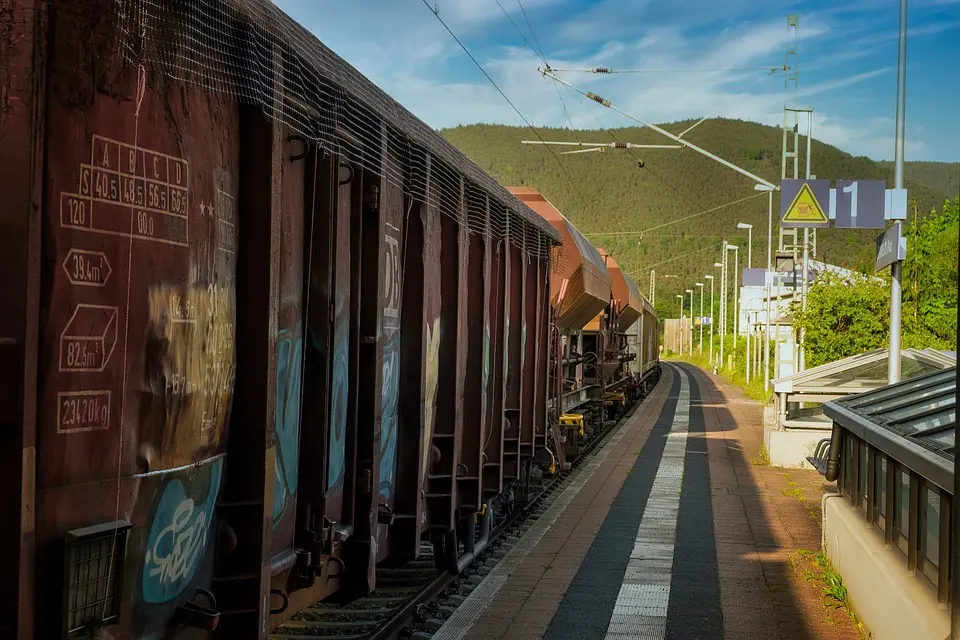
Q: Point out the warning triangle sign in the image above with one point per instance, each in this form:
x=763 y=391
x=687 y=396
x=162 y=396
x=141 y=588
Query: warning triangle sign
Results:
x=805 y=208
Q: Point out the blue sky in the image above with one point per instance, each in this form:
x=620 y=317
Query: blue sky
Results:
x=848 y=58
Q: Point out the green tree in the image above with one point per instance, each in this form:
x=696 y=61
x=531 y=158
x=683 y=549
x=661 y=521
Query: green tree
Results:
x=930 y=300
x=847 y=316
x=608 y=192
x=844 y=317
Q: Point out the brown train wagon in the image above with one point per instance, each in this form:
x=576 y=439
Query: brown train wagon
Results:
x=595 y=306
x=260 y=334
x=579 y=294
x=580 y=282
x=647 y=332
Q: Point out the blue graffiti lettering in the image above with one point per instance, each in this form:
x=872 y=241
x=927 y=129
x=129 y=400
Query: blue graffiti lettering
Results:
x=289 y=380
x=388 y=421
x=523 y=347
x=338 y=415
x=179 y=536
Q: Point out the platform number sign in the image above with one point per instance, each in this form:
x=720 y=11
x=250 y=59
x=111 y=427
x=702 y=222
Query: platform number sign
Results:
x=860 y=204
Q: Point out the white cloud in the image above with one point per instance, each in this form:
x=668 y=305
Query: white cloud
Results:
x=425 y=70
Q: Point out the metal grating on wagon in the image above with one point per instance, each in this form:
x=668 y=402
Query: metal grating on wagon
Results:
x=249 y=48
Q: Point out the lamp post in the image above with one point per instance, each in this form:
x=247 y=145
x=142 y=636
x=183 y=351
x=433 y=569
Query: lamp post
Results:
x=749 y=228
x=710 y=278
x=736 y=251
x=680 y=295
x=690 y=346
x=766 y=329
x=736 y=282
x=723 y=300
x=700 y=349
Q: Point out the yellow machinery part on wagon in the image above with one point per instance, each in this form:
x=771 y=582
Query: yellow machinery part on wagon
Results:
x=573 y=420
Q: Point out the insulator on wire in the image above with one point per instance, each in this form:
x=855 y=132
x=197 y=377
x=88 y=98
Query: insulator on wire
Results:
x=620 y=145
x=597 y=98
x=602 y=70
x=641 y=164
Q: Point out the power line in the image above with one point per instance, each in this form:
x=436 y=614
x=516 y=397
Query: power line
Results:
x=532 y=32
x=606 y=103
x=500 y=91
x=539 y=54
x=609 y=71
x=639 y=162
x=681 y=235
x=657 y=264
x=527 y=42
x=667 y=224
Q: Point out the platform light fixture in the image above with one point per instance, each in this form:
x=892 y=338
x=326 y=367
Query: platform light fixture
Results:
x=711 y=278
x=680 y=295
x=700 y=348
x=749 y=228
x=736 y=286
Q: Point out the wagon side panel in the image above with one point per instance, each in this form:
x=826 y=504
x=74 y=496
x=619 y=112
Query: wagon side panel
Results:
x=139 y=291
x=473 y=319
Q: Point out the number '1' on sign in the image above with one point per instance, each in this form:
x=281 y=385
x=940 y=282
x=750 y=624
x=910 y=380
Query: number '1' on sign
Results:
x=860 y=204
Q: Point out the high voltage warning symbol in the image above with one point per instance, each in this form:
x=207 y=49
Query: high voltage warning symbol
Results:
x=804 y=209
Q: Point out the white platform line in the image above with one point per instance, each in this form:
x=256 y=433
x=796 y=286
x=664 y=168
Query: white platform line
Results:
x=641 y=609
x=467 y=613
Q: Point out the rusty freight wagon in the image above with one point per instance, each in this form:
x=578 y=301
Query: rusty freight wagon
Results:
x=263 y=329
x=594 y=304
x=642 y=339
x=635 y=328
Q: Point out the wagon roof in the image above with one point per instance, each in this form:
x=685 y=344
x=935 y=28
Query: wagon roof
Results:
x=315 y=64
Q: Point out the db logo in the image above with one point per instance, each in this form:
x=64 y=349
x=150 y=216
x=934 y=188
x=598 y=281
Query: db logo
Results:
x=391 y=281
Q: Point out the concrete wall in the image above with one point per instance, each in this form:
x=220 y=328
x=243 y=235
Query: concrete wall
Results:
x=890 y=601
x=789 y=448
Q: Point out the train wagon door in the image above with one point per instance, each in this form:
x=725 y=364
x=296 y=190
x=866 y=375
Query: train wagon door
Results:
x=293 y=205
x=430 y=381
x=379 y=292
x=326 y=484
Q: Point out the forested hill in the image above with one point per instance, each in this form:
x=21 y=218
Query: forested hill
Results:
x=941 y=177
x=608 y=192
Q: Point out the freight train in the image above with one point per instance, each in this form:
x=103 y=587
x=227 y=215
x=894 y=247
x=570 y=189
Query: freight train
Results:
x=264 y=331
x=605 y=332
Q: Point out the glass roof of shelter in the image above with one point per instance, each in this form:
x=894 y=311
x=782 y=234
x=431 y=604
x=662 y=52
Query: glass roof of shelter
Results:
x=862 y=372
x=913 y=421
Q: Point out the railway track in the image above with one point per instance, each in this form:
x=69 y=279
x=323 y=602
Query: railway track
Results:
x=412 y=601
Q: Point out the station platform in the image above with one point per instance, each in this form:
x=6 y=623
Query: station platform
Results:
x=675 y=529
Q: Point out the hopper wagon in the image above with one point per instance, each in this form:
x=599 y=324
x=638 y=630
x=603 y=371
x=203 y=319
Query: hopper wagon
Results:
x=599 y=370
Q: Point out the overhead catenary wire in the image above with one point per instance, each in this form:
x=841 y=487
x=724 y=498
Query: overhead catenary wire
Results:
x=537 y=51
x=523 y=36
x=609 y=234
x=640 y=163
x=606 y=103
x=473 y=59
x=532 y=32
x=610 y=71
x=643 y=269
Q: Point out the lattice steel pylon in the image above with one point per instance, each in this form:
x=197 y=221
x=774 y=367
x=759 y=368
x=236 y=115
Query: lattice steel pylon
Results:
x=791 y=116
x=791 y=122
